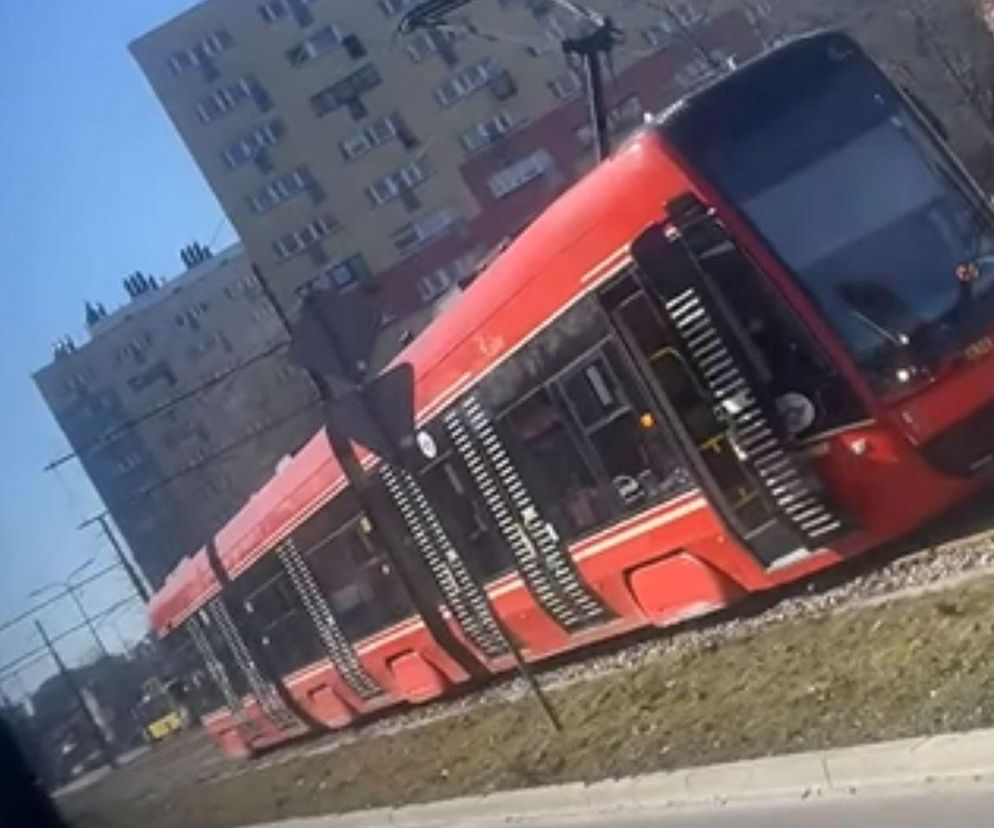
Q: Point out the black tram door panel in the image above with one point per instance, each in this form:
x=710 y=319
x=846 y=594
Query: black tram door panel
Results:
x=492 y=517
x=718 y=387
x=447 y=481
x=688 y=397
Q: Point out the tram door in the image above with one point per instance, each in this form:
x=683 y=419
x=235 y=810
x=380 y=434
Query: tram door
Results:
x=237 y=672
x=711 y=388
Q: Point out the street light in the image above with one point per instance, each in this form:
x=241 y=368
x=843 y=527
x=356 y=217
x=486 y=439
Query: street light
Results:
x=69 y=588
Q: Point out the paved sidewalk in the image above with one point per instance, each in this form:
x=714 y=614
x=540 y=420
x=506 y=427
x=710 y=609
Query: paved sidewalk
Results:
x=887 y=765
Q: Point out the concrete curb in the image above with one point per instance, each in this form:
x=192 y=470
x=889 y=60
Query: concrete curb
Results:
x=888 y=764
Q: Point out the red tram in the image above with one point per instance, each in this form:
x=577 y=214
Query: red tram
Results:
x=757 y=341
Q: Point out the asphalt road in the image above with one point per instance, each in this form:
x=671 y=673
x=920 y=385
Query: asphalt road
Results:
x=963 y=806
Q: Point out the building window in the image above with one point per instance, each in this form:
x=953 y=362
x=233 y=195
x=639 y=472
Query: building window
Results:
x=348 y=92
x=322 y=42
x=567 y=86
x=349 y=272
x=391 y=7
x=487 y=132
x=621 y=118
x=225 y=99
x=274 y=11
x=379 y=131
x=416 y=234
x=282 y=189
x=199 y=54
x=424 y=44
x=393 y=184
x=520 y=173
x=693 y=72
x=435 y=284
x=246 y=148
x=659 y=34
x=465 y=82
x=293 y=243
x=687 y=14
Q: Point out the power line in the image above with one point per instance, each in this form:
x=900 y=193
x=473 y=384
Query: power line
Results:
x=16 y=665
x=211 y=458
x=221 y=376
x=10 y=622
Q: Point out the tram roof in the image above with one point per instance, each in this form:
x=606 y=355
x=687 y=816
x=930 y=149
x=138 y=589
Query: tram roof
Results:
x=190 y=585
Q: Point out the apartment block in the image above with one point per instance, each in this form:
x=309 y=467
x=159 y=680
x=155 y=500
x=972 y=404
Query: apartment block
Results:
x=180 y=403
x=345 y=152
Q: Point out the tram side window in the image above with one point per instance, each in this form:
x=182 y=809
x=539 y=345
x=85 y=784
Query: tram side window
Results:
x=552 y=463
x=281 y=623
x=589 y=447
x=611 y=411
x=465 y=516
x=199 y=692
x=363 y=591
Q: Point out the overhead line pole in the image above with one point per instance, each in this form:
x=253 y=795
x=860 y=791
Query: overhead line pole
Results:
x=105 y=747
x=129 y=568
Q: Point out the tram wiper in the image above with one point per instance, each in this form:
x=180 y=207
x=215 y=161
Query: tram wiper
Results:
x=901 y=340
x=874 y=305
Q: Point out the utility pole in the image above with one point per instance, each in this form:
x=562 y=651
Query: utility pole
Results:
x=590 y=48
x=129 y=568
x=71 y=592
x=105 y=747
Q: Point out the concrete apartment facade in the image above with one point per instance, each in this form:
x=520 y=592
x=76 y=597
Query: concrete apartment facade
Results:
x=342 y=151
x=171 y=478
x=339 y=148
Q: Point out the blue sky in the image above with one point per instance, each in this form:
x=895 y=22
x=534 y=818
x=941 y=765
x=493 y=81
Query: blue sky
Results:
x=96 y=184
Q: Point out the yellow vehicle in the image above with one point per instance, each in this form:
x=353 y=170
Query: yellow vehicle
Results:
x=159 y=713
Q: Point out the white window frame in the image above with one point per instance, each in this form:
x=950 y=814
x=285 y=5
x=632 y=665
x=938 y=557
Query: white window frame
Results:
x=224 y=99
x=522 y=172
x=480 y=135
x=310 y=51
x=378 y=132
x=242 y=151
x=273 y=11
x=424 y=230
x=421 y=47
x=567 y=86
x=466 y=81
x=311 y=233
x=278 y=191
x=387 y=188
x=389 y=8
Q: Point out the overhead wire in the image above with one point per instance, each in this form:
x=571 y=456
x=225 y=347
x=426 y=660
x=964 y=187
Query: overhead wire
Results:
x=113 y=434
x=17 y=665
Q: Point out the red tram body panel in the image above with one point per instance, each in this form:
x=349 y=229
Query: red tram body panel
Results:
x=718 y=443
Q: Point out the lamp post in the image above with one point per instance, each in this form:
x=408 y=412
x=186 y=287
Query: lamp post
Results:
x=72 y=591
